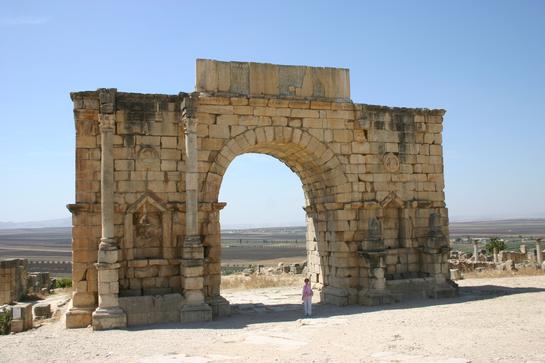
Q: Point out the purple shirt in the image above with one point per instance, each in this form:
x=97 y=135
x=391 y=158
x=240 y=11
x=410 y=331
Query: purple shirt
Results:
x=307 y=291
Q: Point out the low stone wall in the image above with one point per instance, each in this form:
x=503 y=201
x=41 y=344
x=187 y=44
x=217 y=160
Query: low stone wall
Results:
x=39 y=282
x=516 y=257
x=13 y=282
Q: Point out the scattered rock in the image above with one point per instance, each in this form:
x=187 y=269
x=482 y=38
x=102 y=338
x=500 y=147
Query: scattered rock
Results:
x=42 y=311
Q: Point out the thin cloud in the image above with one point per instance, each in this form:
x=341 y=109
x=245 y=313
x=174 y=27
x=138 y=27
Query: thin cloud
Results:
x=23 y=20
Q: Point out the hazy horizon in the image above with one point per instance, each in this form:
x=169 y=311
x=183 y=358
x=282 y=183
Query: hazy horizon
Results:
x=67 y=223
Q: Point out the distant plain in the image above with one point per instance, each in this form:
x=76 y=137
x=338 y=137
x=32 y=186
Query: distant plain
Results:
x=266 y=246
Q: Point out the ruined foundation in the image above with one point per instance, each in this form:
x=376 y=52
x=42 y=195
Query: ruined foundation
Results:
x=13 y=280
x=146 y=230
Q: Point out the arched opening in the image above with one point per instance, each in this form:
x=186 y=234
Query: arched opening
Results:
x=263 y=232
x=321 y=176
x=261 y=192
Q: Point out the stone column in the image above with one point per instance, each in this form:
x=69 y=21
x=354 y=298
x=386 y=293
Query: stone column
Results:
x=539 y=253
x=192 y=266
x=475 y=250
x=495 y=255
x=108 y=315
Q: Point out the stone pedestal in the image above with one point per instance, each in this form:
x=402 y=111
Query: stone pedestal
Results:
x=108 y=315
x=109 y=318
x=196 y=312
x=195 y=308
x=220 y=306
x=79 y=317
x=21 y=317
x=334 y=295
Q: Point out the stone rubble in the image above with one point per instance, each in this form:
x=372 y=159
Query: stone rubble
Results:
x=460 y=262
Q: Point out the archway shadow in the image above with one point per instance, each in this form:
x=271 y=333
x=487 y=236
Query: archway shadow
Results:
x=244 y=316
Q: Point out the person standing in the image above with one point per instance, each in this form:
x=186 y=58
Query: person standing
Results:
x=307 y=298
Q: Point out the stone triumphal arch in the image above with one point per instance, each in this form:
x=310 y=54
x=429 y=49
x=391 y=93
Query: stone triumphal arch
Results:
x=146 y=231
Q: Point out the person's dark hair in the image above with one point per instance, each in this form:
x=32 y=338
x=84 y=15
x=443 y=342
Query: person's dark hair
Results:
x=307 y=280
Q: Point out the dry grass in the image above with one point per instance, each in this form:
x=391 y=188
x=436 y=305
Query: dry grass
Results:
x=526 y=271
x=260 y=281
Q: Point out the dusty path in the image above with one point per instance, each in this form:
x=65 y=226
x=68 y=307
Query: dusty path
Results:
x=493 y=320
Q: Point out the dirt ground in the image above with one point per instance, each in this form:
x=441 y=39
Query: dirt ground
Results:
x=493 y=320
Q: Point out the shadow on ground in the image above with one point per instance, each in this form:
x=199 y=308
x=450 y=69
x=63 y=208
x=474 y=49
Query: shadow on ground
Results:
x=243 y=315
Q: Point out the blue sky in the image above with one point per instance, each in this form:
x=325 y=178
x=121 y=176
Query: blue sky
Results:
x=482 y=61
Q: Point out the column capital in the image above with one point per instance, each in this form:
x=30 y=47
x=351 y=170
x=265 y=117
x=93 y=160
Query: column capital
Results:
x=107 y=98
x=106 y=122
x=188 y=108
x=190 y=125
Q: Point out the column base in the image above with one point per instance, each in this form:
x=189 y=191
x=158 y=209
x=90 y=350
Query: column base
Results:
x=78 y=318
x=371 y=297
x=220 y=306
x=334 y=295
x=109 y=318
x=194 y=313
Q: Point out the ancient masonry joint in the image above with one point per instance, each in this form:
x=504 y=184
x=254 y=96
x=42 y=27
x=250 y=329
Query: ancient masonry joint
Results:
x=146 y=231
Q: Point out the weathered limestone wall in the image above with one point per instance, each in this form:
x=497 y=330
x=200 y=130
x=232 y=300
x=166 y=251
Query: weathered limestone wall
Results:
x=13 y=280
x=147 y=163
x=372 y=178
x=358 y=164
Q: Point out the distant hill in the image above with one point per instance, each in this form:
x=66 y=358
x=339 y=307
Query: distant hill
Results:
x=61 y=222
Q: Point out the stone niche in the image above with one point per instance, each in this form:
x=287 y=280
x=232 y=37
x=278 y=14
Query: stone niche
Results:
x=150 y=265
x=389 y=224
x=390 y=244
x=392 y=226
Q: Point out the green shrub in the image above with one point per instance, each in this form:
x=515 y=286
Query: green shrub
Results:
x=230 y=270
x=5 y=321
x=63 y=282
x=494 y=242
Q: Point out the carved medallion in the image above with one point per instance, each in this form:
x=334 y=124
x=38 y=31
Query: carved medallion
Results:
x=391 y=162
x=148 y=155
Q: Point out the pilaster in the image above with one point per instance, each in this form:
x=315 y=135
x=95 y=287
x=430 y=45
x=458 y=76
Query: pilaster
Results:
x=192 y=266
x=108 y=314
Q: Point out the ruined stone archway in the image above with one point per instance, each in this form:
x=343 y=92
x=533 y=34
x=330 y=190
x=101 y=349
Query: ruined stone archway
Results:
x=146 y=230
